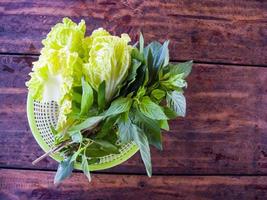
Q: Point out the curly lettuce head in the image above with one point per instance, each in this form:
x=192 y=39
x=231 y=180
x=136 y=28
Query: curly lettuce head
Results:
x=109 y=60
x=59 y=67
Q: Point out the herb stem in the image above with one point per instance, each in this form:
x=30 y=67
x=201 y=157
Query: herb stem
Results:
x=53 y=150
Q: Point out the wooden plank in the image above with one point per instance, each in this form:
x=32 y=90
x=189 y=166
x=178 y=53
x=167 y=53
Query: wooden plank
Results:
x=208 y=31
x=224 y=131
x=21 y=184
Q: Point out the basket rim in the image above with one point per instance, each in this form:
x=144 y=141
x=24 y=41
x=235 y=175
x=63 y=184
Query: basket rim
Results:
x=56 y=156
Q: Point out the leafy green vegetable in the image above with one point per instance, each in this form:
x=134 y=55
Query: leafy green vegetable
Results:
x=141 y=43
x=158 y=94
x=142 y=142
x=164 y=124
x=108 y=93
x=109 y=61
x=151 y=110
x=76 y=137
x=181 y=68
x=151 y=128
x=107 y=146
x=87 y=97
x=64 y=170
x=85 y=167
x=126 y=130
x=119 y=106
x=176 y=101
x=106 y=127
x=59 y=67
x=88 y=124
x=101 y=99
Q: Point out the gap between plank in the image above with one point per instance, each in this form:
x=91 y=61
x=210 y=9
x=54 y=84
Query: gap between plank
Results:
x=195 y=61
x=140 y=174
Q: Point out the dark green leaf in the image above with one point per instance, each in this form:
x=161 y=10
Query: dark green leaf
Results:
x=170 y=113
x=136 y=55
x=85 y=167
x=151 y=129
x=89 y=123
x=154 y=46
x=125 y=130
x=106 y=127
x=87 y=97
x=162 y=56
x=180 y=68
x=118 y=106
x=158 y=94
x=174 y=82
x=64 y=170
x=77 y=97
x=164 y=124
x=176 y=101
x=135 y=64
x=151 y=110
x=101 y=99
x=142 y=142
x=96 y=150
x=76 y=137
x=107 y=146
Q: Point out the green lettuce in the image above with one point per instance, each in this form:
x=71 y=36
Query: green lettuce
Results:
x=59 y=68
x=109 y=61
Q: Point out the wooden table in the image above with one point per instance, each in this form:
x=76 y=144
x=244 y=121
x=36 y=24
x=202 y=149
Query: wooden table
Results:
x=219 y=151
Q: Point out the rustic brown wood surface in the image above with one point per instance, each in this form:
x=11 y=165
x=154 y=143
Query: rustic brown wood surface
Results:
x=20 y=184
x=219 y=151
x=208 y=31
x=224 y=131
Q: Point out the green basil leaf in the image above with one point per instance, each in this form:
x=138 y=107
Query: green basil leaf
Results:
x=107 y=146
x=85 y=167
x=170 y=113
x=162 y=57
x=76 y=136
x=135 y=54
x=75 y=155
x=150 y=109
x=174 y=82
x=142 y=142
x=64 y=170
x=141 y=43
x=135 y=64
x=158 y=94
x=95 y=150
x=182 y=68
x=106 y=127
x=87 y=97
x=119 y=106
x=164 y=124
x=101 y=97
x=176 y=101
x=125 y=130
x=151 y=129
x=89 y=123
x=154 y=46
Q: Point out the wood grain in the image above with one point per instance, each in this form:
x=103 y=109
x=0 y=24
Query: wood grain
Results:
x=224 y=131
x=21 y=184
x=208 y=31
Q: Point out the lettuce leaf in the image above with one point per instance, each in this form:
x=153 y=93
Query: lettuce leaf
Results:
x=109 y=61
x=59 y=67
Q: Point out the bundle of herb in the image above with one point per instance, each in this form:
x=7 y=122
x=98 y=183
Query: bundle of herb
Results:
x=109 y=93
